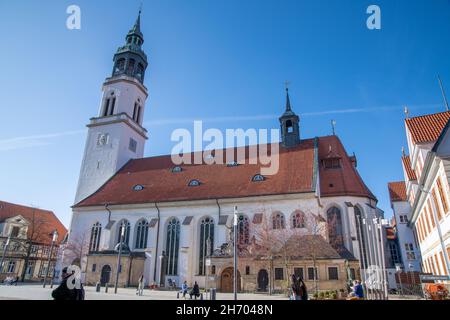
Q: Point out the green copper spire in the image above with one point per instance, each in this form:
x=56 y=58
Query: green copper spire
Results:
x=130 y=59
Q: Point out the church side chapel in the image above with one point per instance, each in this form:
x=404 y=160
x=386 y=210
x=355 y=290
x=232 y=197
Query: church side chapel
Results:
x=175 y=221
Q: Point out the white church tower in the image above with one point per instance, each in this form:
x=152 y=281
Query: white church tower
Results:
x=116 y=135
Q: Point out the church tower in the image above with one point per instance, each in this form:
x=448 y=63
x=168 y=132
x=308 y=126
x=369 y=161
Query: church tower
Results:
x=289 y=122
x=116 y=134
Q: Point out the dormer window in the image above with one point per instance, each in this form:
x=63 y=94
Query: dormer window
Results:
x=176 y=169
x=138 y=187
x=332 y=163
x=258 y=177
x=194 y=183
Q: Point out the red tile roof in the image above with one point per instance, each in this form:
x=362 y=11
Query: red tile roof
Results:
x=427 y=128
x=44 y=220
x=295 y=175
x=407 y=166
x=397 y=191
x=344 y=181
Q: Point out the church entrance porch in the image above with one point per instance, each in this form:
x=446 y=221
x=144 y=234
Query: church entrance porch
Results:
x=226 y=280
x=105 y=276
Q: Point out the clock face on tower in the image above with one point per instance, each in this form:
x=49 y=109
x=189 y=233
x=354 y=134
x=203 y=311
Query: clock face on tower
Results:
x=102 y=139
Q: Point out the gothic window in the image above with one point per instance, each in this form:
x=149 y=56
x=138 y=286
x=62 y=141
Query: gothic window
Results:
x=124 y=224
x=361 y=236
x=278 y=221
x=243 y=230
x=206 y=243
x=130 y=68
x=298 y=220
x=173 y=246
x=113 y=103
x=141 y=234
x=106 y=107
x=335 y=233
x=138 y=115
x=96 y=232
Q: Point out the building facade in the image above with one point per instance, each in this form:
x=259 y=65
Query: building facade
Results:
x=427 y=174
x=175 y=219
x=408 y=257
x=26 y=235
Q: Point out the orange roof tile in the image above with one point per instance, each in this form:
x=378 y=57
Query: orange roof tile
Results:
x=427 y=128
x=397 y=191
x=409 y=171
x=295 y=175
x=45 y=220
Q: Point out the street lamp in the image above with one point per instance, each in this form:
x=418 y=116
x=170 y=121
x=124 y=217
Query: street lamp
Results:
x=5 y=248
x=235 y=223
x=122 y=235
x=54 y=238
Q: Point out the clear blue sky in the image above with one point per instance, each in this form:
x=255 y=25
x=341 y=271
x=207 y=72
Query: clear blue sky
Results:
x=216 y=59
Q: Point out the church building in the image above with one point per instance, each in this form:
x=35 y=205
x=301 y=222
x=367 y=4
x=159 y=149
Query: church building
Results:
x=175 y=220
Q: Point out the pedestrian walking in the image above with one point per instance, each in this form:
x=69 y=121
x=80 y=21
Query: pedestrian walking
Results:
x=303 y=289
x=140 y=288
x=295 y=288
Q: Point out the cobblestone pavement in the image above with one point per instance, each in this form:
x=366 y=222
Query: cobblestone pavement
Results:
x=36 y=292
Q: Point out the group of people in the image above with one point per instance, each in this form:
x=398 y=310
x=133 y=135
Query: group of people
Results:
x=11 y=281
x=298 y=288
x=195 y=291
x=66 y=292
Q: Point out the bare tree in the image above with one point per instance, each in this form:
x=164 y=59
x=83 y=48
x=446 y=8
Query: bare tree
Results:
x=77 y=248
x=36 y=234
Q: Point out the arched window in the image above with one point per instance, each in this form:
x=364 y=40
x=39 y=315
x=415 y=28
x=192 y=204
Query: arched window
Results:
x=130 y=68
x=173 y=246
x=278 y=220
x=335 y=233
x=289 y=127
x=194 y=183
x=206 y=242
x=141 y=234
x=298 y=220
x=96 y=232
x=140 y=72
x=124 y=224
x=243 y=230
x=361 y=236
x=120 y=66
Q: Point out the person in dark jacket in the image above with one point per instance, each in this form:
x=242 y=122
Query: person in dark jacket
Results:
x=303 y=289
x=62 y=292
x=195 y=291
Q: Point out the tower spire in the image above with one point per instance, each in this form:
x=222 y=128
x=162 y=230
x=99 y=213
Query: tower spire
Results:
x=289 y=122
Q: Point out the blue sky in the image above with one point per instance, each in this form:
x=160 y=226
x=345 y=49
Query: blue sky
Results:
x=222 y=60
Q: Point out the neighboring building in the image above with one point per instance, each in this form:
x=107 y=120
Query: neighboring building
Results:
x=31 y=232
x=408 y=256
x=174 y=217
x=427 y=175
